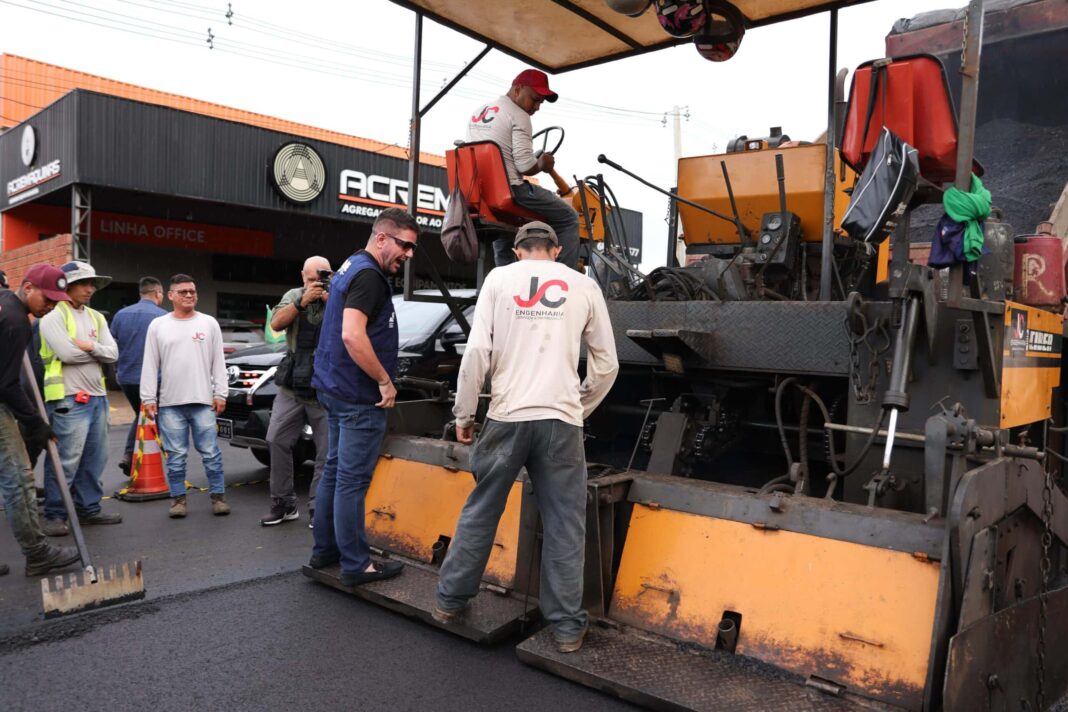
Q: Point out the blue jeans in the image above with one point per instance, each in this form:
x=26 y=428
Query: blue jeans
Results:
x=560 y=216
x=16 y=486
x=355 y=434
x=82 y=430
x=553 y=454
x=175 y=422
x=132 y=391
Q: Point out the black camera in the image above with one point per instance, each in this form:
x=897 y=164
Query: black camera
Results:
x=324 y=279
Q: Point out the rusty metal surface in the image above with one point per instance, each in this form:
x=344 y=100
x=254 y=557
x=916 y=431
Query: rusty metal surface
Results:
x=992 y=664
x=884 y=528
x=489 y=619
x=659 y=674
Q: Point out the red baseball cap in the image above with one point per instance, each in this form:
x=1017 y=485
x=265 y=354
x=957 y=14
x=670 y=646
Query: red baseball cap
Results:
x=50 y=280
x=537 y=81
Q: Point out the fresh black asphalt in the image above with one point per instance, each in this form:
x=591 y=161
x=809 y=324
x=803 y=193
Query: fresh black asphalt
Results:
x=229 y=623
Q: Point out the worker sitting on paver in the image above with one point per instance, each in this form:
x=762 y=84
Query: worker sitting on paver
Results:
x=506 y=122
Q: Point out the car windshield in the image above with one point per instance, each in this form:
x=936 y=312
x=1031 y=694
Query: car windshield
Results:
x=242 y=336
x=417 y=321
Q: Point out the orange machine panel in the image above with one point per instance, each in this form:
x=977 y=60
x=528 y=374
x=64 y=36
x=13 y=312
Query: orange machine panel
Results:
x=1030 y=365
x=858 y=615
x=410 y=505
x=756 y=191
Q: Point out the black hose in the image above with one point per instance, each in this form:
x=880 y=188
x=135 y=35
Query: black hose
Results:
x=843 y=472
x=770 y=485
x=778 y=420
x=802 y=442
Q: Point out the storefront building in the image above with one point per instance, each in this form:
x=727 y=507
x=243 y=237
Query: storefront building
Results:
x=151 y=189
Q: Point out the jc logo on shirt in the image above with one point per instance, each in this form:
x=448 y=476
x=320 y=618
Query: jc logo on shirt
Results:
x=483 y=117
x=198 y=337
x=540 y=294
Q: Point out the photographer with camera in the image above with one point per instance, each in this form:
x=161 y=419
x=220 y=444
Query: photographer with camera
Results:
x=300 y=315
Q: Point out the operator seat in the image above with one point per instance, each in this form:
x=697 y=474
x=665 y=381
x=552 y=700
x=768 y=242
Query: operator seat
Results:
x=478 y=168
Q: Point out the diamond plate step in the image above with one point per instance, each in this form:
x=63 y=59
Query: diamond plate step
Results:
x=490 y=617
x=657 y=673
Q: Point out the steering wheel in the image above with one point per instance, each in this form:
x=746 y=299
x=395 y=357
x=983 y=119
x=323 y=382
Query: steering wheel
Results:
x=547 y=135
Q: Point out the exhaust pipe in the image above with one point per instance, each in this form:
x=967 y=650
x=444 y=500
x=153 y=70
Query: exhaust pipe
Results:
x=727 y=635
x=437 y=551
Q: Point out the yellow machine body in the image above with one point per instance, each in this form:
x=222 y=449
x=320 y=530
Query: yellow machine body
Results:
x=859 y=615
x=756 y=191
x=1030 y=365
x=593 y=207
x=411 y=505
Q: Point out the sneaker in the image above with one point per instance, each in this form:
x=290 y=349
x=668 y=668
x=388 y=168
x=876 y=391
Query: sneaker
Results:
x=311 y=518
x=447 y=616
x=49 y=558
x=100 y=518
x=219 y=507
x=382 y=570
x=55 y=527
x=280 y=513
x=570 y=646
x=321 y=562
x=177 y=510
x=124 y=464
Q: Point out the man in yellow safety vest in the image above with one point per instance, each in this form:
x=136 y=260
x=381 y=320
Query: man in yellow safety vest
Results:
x=75 y=341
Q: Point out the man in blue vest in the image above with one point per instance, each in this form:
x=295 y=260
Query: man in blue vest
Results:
x=75 y=341
x=129 y=326
x=354 y=369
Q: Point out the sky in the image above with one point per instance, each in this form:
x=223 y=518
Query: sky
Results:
x=347 y=66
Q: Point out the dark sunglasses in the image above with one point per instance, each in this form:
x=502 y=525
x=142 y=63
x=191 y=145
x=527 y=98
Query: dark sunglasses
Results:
x=403 y=244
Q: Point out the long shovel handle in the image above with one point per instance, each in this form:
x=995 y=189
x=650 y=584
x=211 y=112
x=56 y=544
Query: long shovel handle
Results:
x=61 y=477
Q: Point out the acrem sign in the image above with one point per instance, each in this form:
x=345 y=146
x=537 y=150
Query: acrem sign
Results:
x=367 y=195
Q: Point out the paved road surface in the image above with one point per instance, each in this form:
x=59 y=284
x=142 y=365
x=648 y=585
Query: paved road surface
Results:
x=229 y=623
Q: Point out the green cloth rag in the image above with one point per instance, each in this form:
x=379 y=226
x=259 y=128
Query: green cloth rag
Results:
x=970 y=209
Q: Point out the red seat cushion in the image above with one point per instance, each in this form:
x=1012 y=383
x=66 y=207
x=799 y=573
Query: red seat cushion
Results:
x=913 y=101
x=479 y=170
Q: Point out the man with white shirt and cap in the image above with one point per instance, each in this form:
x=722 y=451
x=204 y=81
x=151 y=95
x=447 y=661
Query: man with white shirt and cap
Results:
x=526 y=335
x=75 y=342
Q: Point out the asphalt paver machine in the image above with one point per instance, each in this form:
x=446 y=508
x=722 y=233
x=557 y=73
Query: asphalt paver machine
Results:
x=828 y=477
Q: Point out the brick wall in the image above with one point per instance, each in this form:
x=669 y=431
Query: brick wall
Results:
x=15 y=263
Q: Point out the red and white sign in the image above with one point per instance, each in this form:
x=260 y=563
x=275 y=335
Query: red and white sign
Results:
x=177 y=234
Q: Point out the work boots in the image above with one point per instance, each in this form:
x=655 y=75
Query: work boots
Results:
x=54 y=527
x=50 y=557
x=177 y=510
x=219 y=507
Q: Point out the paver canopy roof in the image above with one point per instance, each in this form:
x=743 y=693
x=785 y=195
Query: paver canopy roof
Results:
x=559 y=35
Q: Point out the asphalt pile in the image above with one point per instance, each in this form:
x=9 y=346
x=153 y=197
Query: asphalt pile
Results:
x=1026 y=170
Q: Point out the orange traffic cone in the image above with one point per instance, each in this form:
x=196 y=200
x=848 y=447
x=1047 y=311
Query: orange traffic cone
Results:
x=147 y=478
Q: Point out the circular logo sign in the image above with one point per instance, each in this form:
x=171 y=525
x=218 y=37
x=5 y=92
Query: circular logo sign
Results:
x=232 y=373
x=29 y=145
x=298 y=172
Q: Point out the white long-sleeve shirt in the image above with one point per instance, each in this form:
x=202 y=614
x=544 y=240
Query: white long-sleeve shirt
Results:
x=507 y=125
x=186 y=357
x=526 y=334
x=81 y=369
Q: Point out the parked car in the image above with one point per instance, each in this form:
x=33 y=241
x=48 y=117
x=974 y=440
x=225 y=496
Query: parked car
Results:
x=431 y=345
x=239 y=335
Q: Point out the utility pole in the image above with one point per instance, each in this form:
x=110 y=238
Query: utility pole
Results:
x=677 y=113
